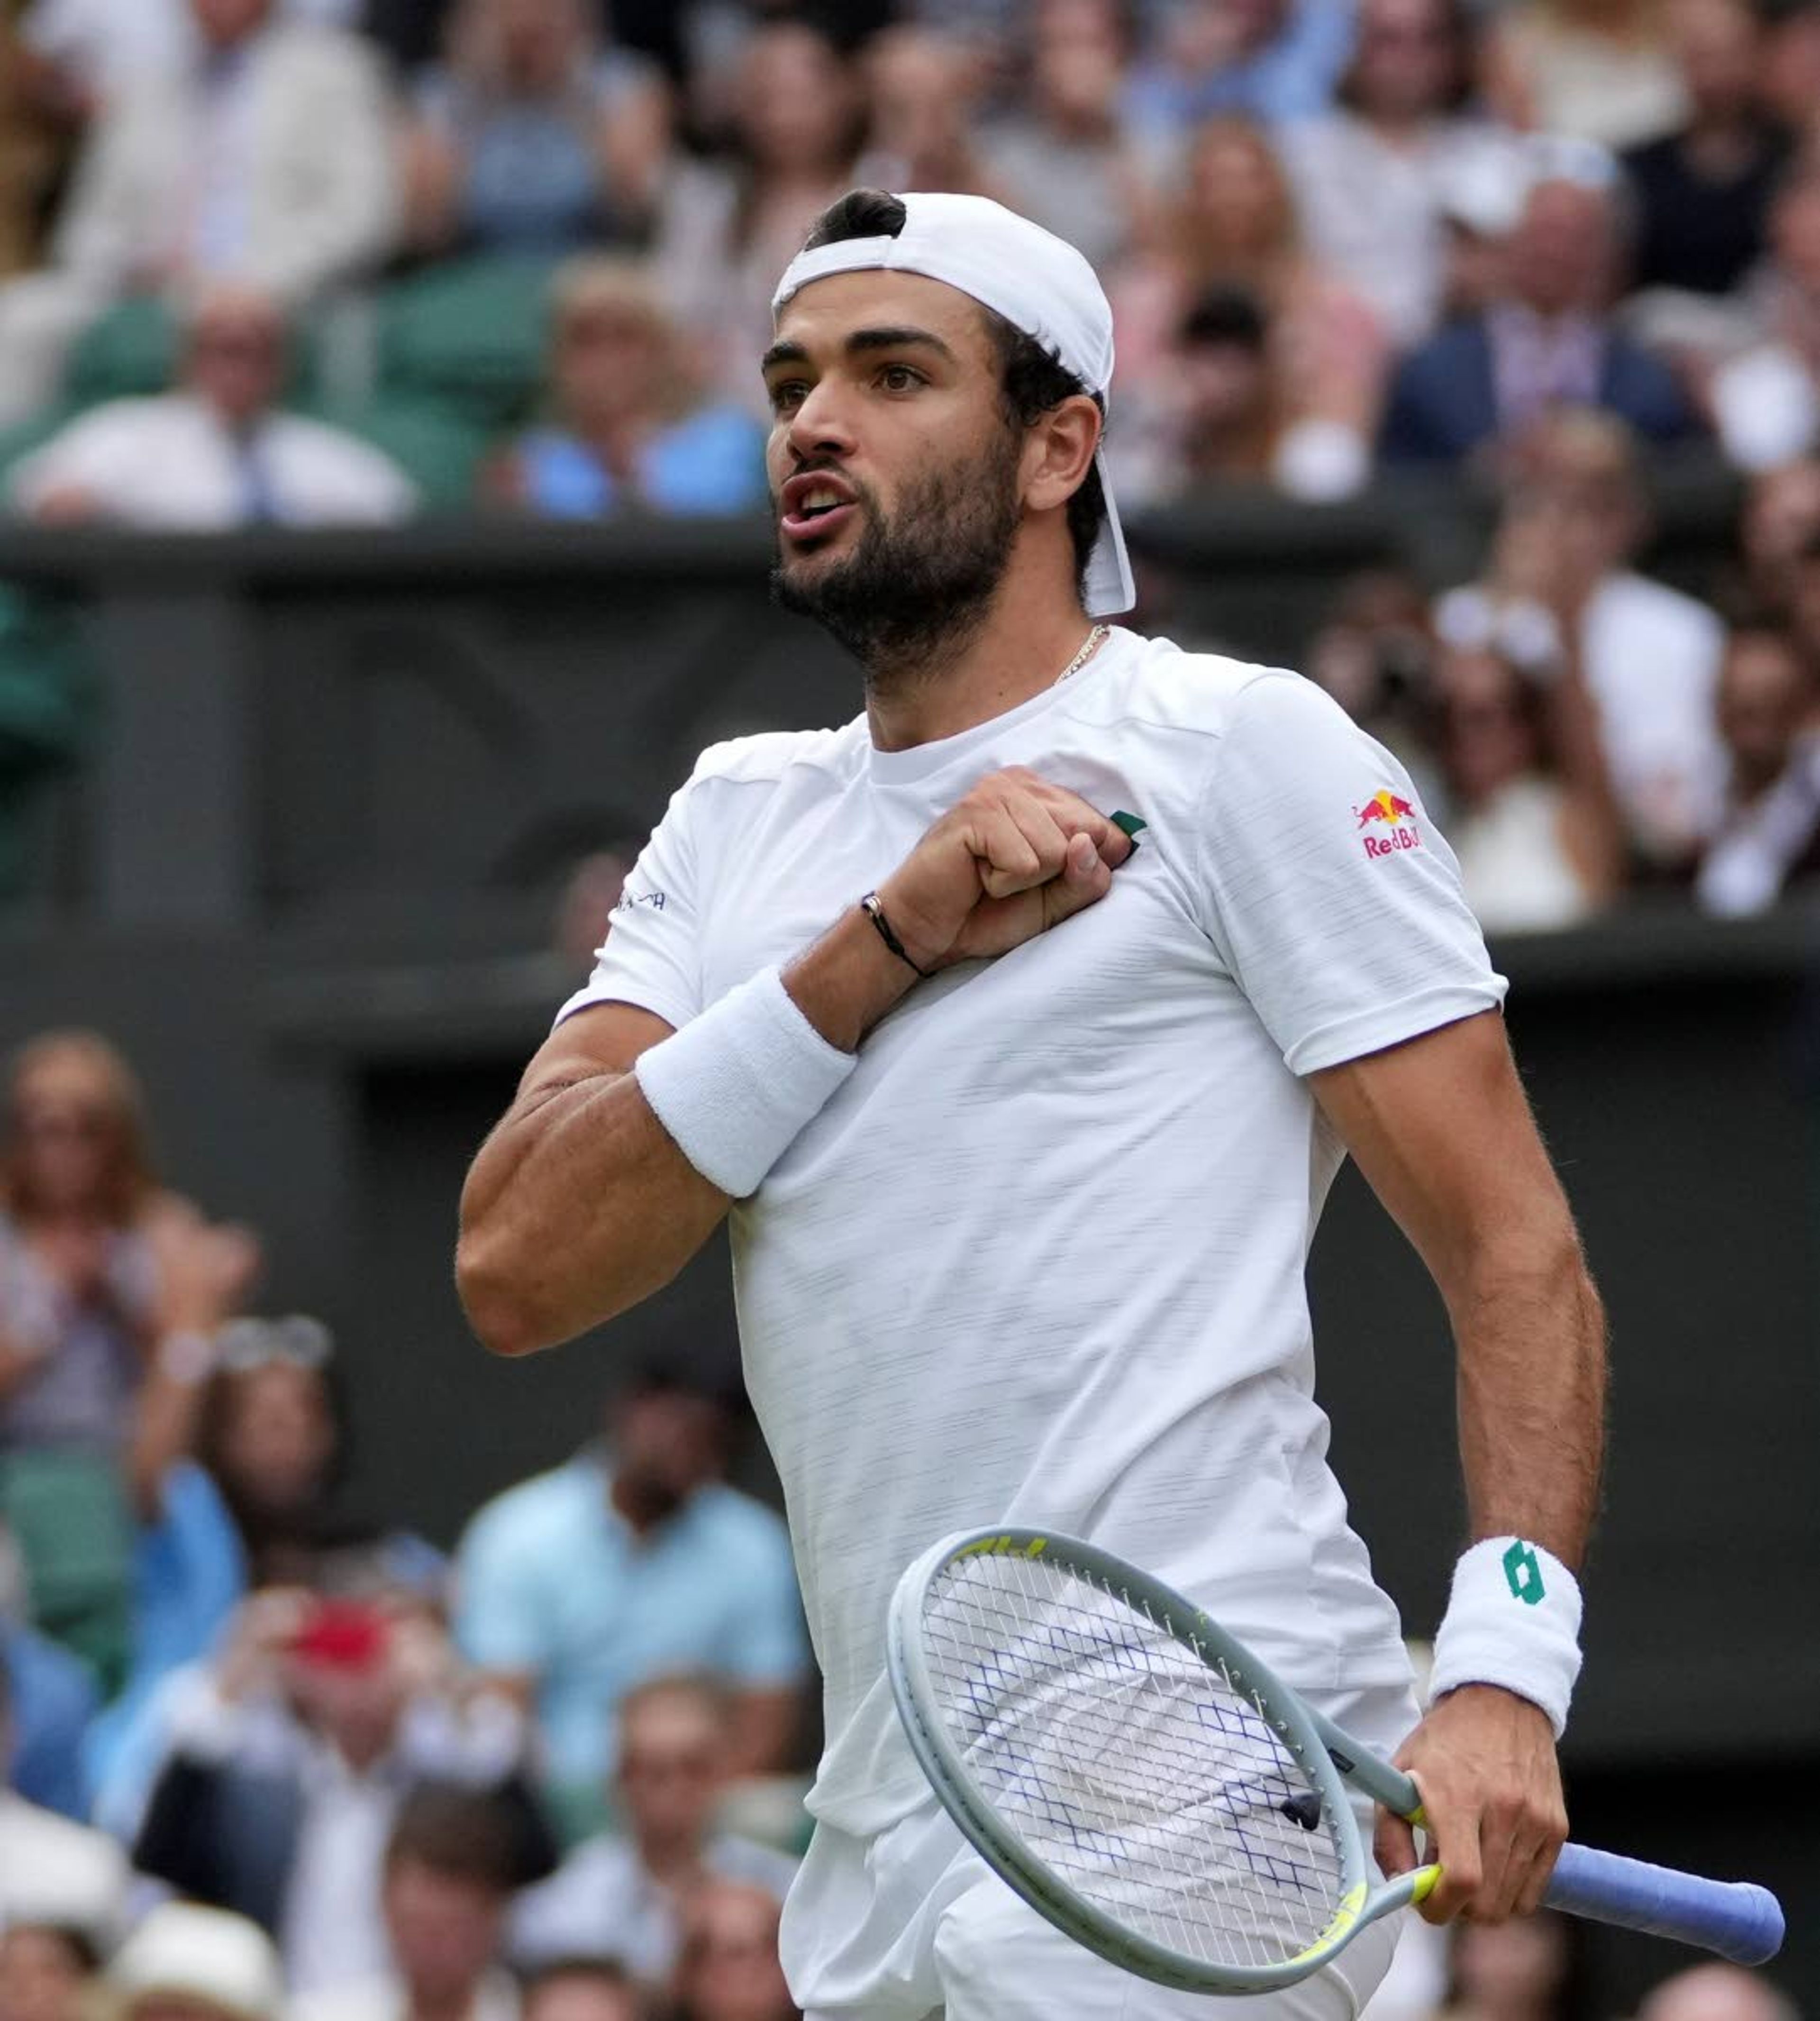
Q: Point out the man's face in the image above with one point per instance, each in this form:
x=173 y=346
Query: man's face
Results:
x=444 y=1930
x=896 y=477
x=666 y=1444
x=1561 y=256
x=671 y=1769
x=237 y=358
x=223 y=23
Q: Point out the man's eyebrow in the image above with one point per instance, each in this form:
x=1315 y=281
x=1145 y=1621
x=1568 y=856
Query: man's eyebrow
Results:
x=896 y=337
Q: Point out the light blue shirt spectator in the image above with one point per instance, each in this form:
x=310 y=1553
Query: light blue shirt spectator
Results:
x=554 y=1584
x=711 y=461
x=54 y=1698
x=1292 y=76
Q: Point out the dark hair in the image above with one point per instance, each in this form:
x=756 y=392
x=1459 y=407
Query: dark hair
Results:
x=1457 y=23
x=473 y=1835
x=1224 y=314
x=1032 y=381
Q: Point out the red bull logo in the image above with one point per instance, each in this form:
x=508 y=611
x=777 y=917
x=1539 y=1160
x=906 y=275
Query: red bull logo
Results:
x=1394 y=815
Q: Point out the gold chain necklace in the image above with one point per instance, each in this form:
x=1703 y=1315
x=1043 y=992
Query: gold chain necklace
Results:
x=1096 y=638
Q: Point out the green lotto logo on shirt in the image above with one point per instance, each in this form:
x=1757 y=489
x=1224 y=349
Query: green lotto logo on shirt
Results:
x=1390 y=822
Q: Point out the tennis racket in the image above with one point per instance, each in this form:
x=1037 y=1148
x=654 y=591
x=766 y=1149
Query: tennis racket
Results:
x=1146 y=1784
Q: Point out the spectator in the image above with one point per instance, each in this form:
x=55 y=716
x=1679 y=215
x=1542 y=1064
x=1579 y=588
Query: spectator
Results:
x=218 y=451
x=1375 y=656
x=922 y=92
x=1371 y=176
x=1790 y=74
x=1539 y=843
x=1716 y=1992
x=58 y=1880
x=1216 y=415
x=629 y=432
x=84 y=1230
x=620 y=1567
x=728 y=1969
x=1769 y=837
x=1766 y=400
x=288 y=1760
x=452 y=1860
x=1781 y=518
x=726 y=232
x=1700 y=195
x=46 y=1974
x=584 y=1990
x=268 y=156
x=1235 y=224
x=184 y=1962
x=52 y=1697
x=1576 y=520
x=531 y=138
x=1595 y=70
x=625 y=1895
x=1547 y=339
x=1061 y=154
x=1269 y=59
x=1522 y=1970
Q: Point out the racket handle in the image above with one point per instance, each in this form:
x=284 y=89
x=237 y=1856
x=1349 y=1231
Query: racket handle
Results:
x=1736 y=1918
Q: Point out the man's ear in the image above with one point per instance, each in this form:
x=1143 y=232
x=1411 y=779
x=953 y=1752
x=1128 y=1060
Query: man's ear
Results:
x=1059 y=451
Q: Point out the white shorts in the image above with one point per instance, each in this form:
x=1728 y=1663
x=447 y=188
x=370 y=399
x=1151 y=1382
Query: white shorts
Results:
x=912 y=1924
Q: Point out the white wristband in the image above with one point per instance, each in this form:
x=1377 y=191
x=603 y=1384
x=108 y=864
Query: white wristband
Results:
x=736 y=1086
x=1513 y=1620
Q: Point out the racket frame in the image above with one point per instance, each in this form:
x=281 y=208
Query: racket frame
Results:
x=1031 y=1876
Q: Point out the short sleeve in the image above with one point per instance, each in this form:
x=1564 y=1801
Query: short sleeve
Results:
x=649 y=957
x=770 y=1646
x=500 y=1621
x=1329 y=890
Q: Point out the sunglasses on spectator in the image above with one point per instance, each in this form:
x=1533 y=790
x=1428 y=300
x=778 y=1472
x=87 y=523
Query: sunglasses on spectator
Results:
x=296 y=1340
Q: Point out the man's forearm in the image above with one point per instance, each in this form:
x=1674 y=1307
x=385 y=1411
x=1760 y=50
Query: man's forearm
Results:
x=582 y=1204
x=1530 y=1334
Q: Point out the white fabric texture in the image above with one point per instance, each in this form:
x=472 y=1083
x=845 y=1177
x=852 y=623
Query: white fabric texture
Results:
x=1038 y=283
x=736 y=1085
x=891 y=1928
x=167 y=462
x=1512 y=1619
x=1040 y=1259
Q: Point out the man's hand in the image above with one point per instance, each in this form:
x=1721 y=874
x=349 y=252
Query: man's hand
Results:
x=1484 y=1761
x=1013 y=859
x=205 y=1273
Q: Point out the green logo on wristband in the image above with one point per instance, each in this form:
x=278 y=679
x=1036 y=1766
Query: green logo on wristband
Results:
x=1524 y=1573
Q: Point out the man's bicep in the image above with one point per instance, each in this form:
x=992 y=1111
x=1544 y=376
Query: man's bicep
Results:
x=1442 y=1131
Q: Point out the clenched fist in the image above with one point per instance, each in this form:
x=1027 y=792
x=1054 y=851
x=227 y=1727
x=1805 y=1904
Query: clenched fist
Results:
x=1013 y=859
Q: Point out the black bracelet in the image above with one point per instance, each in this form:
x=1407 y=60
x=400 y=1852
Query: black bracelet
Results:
x=876 y=913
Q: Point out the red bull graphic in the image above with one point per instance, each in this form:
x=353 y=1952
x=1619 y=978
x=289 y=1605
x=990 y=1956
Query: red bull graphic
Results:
x=1395 y=817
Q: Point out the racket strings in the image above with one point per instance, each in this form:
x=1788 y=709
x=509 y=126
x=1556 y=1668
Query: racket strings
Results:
x=1148 y=1782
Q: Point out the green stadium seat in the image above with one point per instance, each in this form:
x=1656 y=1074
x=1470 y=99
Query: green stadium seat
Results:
x=469 y=337
x=127 y=351
x=19 y=441
x=438 y=450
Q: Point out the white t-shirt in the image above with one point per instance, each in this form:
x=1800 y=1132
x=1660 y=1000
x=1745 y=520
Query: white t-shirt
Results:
x=1041 y=1258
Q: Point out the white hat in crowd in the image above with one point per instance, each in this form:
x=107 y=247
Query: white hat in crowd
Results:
x=206 y=1956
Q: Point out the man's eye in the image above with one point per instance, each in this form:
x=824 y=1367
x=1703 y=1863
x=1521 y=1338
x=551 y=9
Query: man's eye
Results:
x=900 y=378
x=788 y=396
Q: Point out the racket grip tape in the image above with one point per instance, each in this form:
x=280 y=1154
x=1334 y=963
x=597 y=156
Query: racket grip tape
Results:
x=1738 y=1919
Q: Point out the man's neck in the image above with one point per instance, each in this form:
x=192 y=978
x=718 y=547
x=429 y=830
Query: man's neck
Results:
x=1034 y=628
x=427 y=2006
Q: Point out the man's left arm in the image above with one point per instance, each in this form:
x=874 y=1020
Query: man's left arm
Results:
x=1440 y=1127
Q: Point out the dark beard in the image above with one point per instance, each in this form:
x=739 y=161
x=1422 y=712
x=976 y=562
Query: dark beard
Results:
x=917 y=587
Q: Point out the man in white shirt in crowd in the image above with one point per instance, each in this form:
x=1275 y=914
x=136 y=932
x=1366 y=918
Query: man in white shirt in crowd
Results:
x=218 y=451
x=621 y=1894
x=1023 y=1129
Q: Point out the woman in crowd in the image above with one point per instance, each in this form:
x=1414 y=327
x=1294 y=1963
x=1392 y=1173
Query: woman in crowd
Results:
x=100 y=1270
x=1372 y=176
x=728 y=1969
x=627 y=432
x=1234 y=224
x=727 y=230
x=1601 y=70
x=530 y=139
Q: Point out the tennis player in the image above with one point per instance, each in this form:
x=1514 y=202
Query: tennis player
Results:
x=1020 y=1026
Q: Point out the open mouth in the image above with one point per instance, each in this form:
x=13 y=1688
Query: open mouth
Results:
x=813 y=504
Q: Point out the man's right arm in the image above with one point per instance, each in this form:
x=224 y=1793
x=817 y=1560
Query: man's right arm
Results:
x=581 y=1203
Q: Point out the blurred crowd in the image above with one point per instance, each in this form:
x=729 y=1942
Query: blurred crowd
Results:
x=267 y=1755
x=313 y=262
